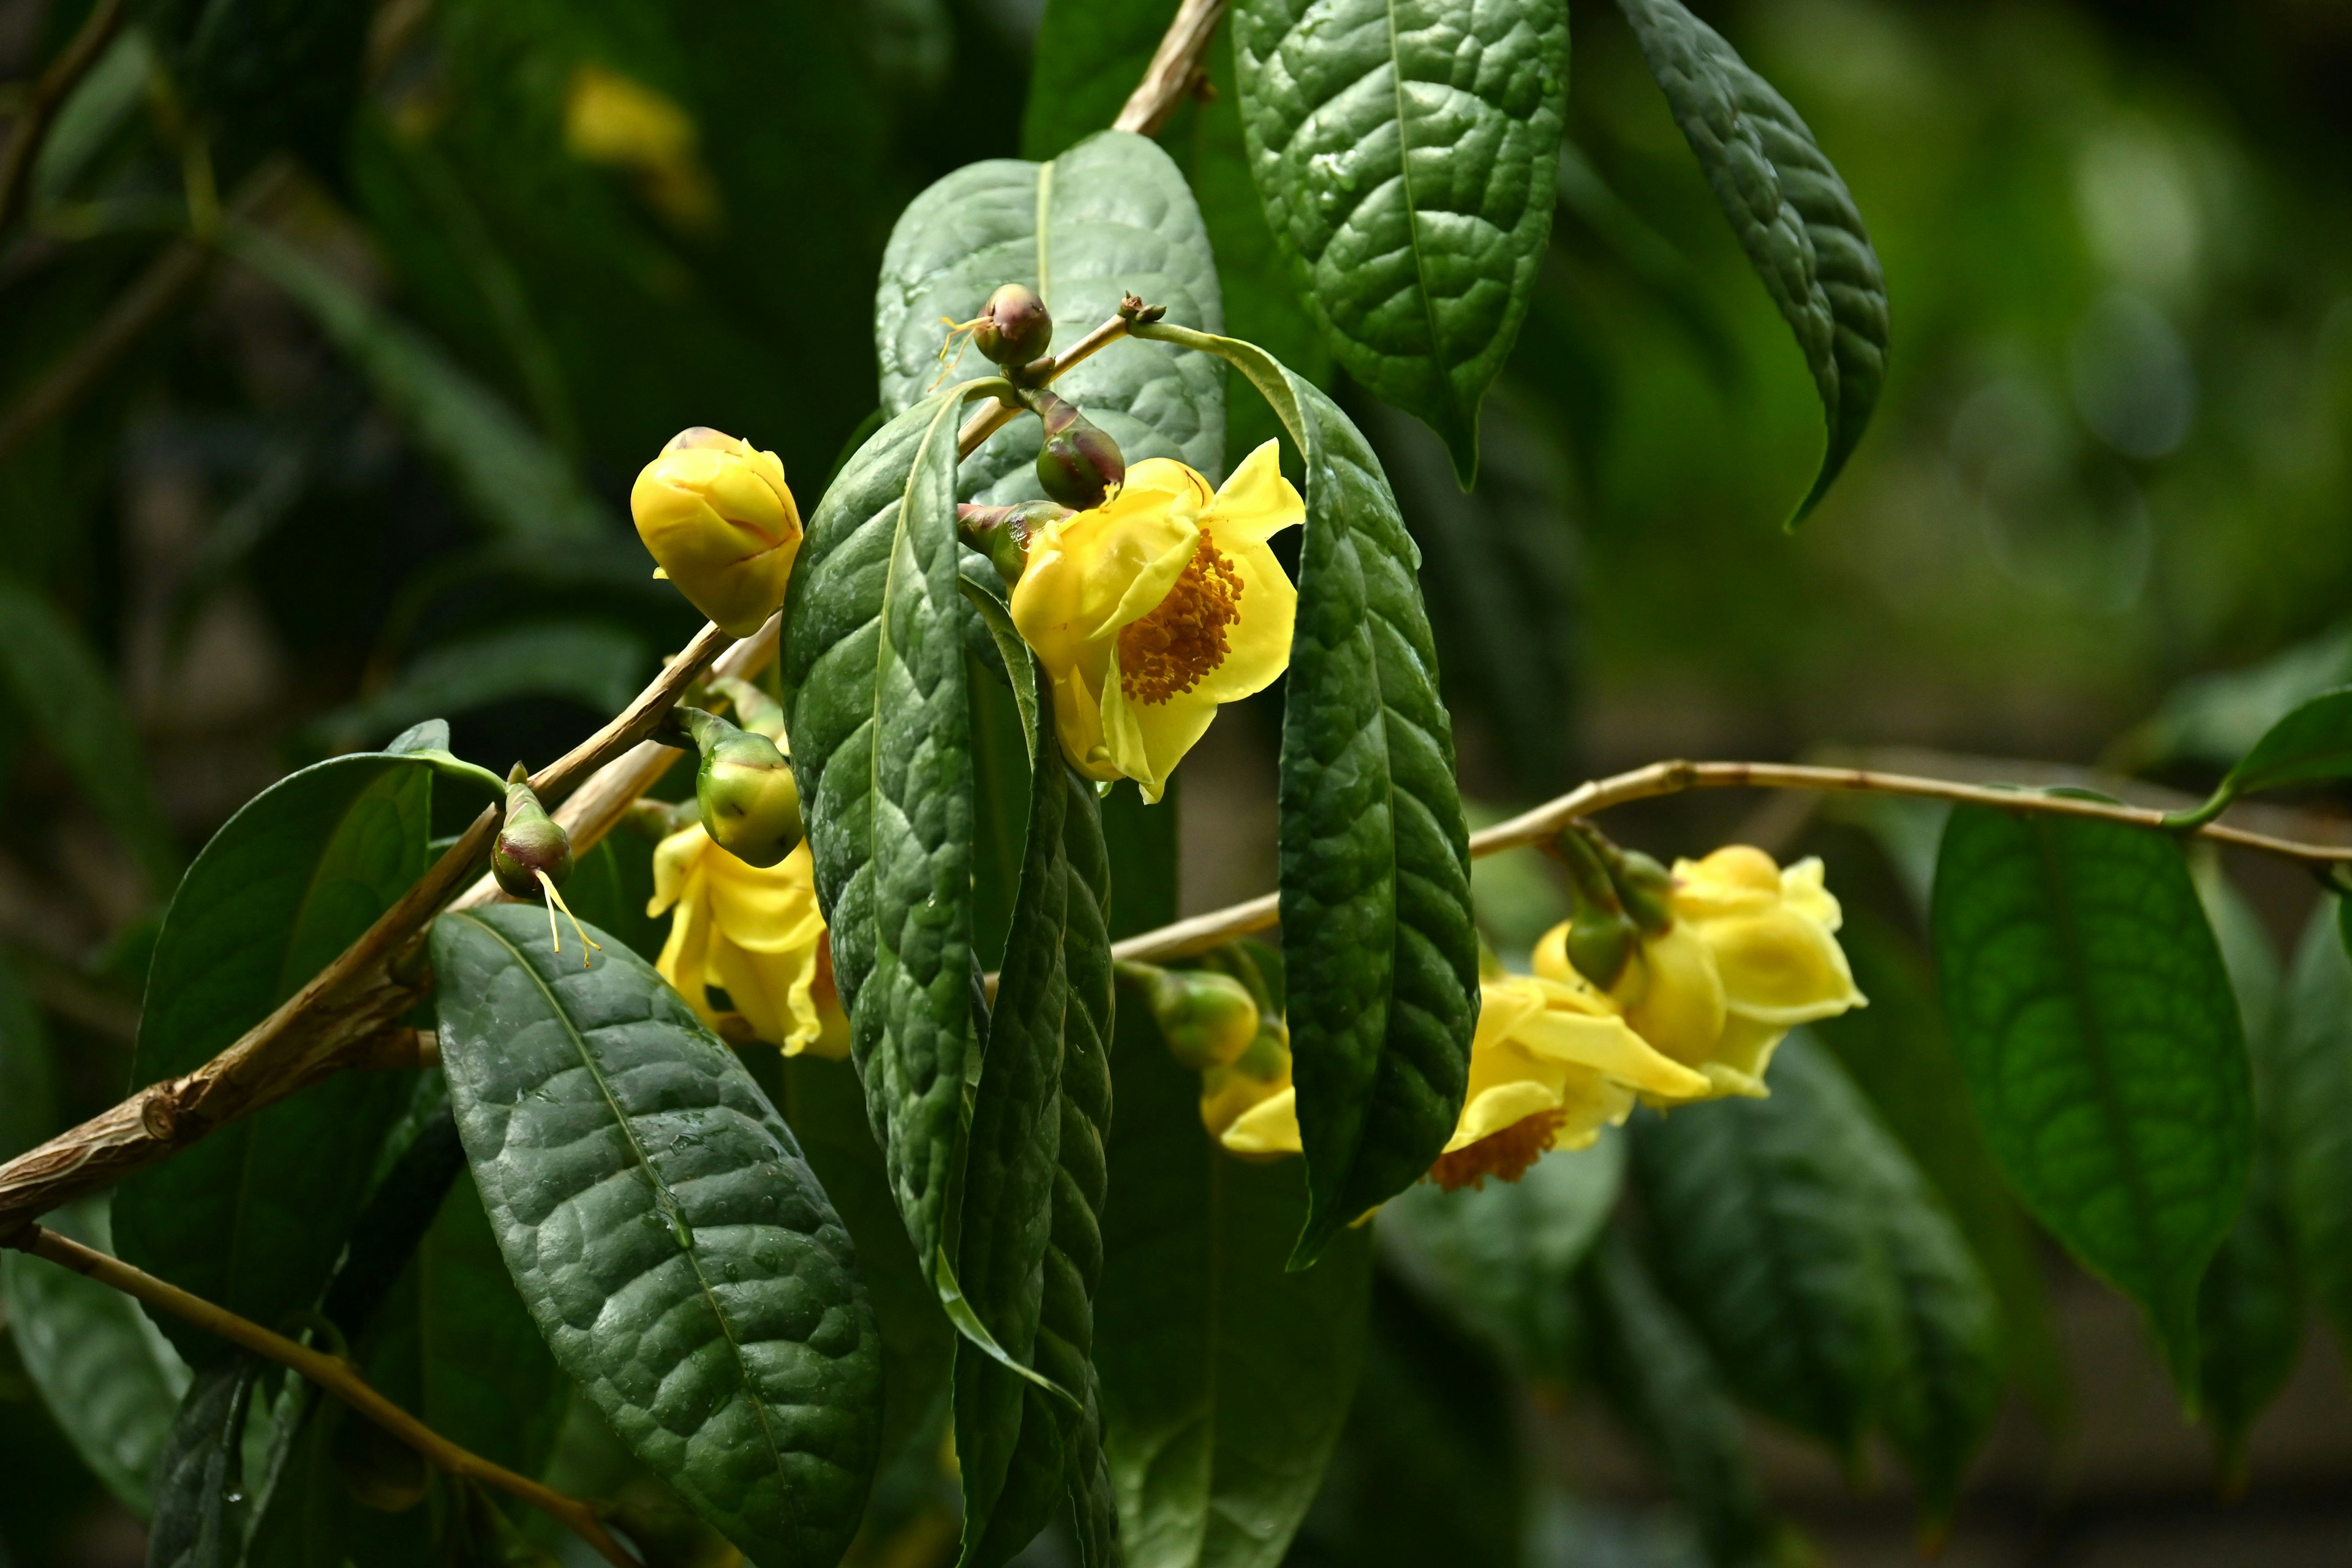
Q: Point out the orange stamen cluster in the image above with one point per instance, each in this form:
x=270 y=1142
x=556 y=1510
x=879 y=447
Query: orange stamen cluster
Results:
x=1505 y=1155
x=1169 y=651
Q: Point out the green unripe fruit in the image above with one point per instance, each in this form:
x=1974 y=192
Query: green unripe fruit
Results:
x=744 y=789
x=1079 y=463
x=529 y=842
x=1208 y=1020
x=1014 y=326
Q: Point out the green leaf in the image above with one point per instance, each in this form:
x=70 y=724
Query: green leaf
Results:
x=1111 y=215
x=1088 y=56
x=253 y=1216
x=1376 y=916
x=2093 y=1021
x=1837 y=1294
x=112 y=1383
x=673 y=1247
x=1790 y=211
x=28 y=1085
x=2310 y=745
x=1898 y=1053
x=873 y=673
x=512 y=481
x=600 y=667
x=56 y=681
x=2249 y=1319
x=1226 y=1378
x=199 y=1501
x=1499 y=1257
x=1658 y=1378
x=2220 y=717
x=1405 y=156
x=2312 y=1074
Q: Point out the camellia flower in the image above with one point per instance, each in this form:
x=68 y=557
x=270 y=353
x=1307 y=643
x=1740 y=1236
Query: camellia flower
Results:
x=718 y=516
x=1751 y=953
x=754 y=934
x=1154 y=607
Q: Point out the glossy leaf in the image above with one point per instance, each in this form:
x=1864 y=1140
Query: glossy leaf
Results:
x=2313 y=1077
x=1376 y=915
x=111 y=1381
x=199 y=1502
x=670 y=1241
x=1790 y=211
x=1836 y=1293
x=1226 y=1379
x=1405 y=156
x=253 y=1216
x=1499 y=1258
x=2094 y=1023
x=1110 y=216
x=1029 y=1244
x=2312 y=744
x=875 y=701
x=54 y=679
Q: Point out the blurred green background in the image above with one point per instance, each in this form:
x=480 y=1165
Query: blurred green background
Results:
x=327 y=356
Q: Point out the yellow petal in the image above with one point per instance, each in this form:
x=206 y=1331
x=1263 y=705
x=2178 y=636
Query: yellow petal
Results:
x=1257 y=645
x=1488 y=1112
x=1078 y=720
x=685 y=957
x=1804 y=888
x=675 y=859
x=770 y=909
x=1779 y=967
x=1672 y=996
x=1607 y=1046
x=1255 y=502
x=1268 y=1129
x=1147 y=739
x=770 y=990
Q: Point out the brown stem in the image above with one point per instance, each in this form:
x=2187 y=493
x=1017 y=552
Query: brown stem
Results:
x=1202 y=933
x=336 y=1376
x=1175 y=72
x=41 y=105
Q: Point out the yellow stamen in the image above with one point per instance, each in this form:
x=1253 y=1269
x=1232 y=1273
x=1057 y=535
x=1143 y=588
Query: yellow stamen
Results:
x=959 y=338
x=1169 y=651
x=1505 y=1155
x=554 y=902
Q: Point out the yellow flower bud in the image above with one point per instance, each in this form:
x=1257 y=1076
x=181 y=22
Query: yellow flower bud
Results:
x=718 y=516
x=1208 y=1020
x=1153 y=609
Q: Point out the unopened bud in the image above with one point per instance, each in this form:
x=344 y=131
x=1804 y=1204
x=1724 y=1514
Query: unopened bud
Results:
x=1079 y=464
x=716 y=514
x=1599 y=944
x=1647 y=890
x=1209 y=1020
x=1014 y=327
x=1003 y=533
x=749 y=801
x=529 y=843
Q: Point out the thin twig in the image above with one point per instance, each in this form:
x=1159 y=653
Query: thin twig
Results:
x=1175 y=72
x=336 y=1376
x=1201 y=932
x=41 y=105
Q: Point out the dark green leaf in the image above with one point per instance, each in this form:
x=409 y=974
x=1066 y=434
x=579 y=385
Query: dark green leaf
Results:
x=1376 y=915
x=1658 y=1378
x=671 y=1245
x=2310 y=745
x=2093 y=1021
x=1110 y=216
x=1029 y=1246
x=1405 y=156
x=1499 y=1257
x=112 y=1383
x=56 y=681
x=2219 y=717
x=253 y=1216
x=2250 y=1318
x=1226 y=1379
x=1089 y=56
x=2311 y=1071
x=28 y=1085
x=598 y=666
x=199 y=1501
x=873 y=673
x=1790 y=211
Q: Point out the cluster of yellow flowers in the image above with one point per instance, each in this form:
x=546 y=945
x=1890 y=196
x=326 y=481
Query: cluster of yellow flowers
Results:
x=1751 y=953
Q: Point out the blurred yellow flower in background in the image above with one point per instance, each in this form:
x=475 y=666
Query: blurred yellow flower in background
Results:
x=754 y=934
x=718 y=518
x=618 y=121
x=1152 y=609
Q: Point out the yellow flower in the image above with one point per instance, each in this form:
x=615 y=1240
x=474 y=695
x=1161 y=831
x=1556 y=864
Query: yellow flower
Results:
x=612 y=119
x=1249 y=1105
x=753 y=932
x=1154 y=607
x=717 y=515
x=1751 y=953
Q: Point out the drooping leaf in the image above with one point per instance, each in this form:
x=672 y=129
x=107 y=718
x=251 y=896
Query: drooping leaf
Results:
x=1376 y=916
x=2217 y=718
x=1111 y=215
x=673 y=1247
x=598 y=666
x=1790 y=211
x=199 y=1506
x=2312 y=1072
x=252 y=1217
x=2312 y=744
x=1835 y=1293
x=1226 y=1380
x=2249 y=1319
x=1029 y=1242
x=873 y=672
x=1499 y=1258
x=1405 y=157
x=2095 y=1024
x=112 y=1383
x=54 y=679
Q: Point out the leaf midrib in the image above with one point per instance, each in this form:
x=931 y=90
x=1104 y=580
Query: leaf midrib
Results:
x=1412 y=212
